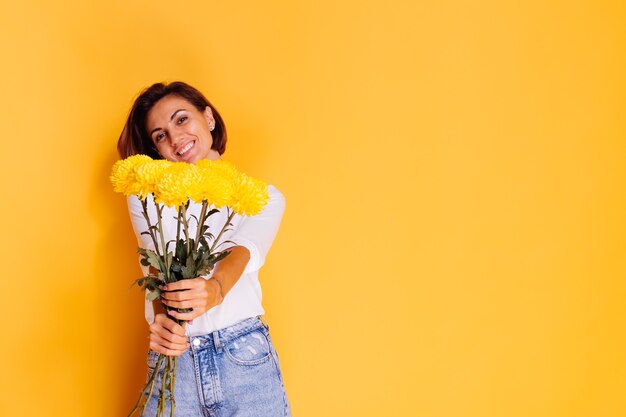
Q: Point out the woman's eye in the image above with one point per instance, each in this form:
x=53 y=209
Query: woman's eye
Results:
x=182 y=119
x=159 y=137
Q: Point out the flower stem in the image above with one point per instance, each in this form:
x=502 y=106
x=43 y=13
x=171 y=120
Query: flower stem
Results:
x=165 y=257
x=172 y=380
x=150 y=383
x=183 y=208
x=200 y=223
x=230 y=217
x=178 y=228
x=144 y=206
x=153 y=379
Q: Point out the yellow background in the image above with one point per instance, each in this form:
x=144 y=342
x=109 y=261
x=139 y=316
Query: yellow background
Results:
x=455 y=176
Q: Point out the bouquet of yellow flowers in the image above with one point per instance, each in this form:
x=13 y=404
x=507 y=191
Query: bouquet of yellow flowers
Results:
x=217 y=185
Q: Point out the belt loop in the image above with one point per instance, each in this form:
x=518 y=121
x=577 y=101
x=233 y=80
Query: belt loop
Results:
x=265 y=323
x=216 y=341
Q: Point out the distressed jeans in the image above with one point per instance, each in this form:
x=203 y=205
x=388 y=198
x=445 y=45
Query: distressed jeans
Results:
x=232 y=372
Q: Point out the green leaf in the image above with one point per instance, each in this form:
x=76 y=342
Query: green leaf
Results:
x=205 y=269
x=155 y=260
x=189 y=269
x=180 y=250
x=176 y=267
x=212 y=212
x=216 y=257
x=138 y=281
x=203 y=263
x=151 y=258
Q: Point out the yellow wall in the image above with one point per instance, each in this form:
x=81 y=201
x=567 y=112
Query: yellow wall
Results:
x=455 y=178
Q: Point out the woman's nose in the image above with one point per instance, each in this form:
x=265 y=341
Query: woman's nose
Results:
x=176 y=138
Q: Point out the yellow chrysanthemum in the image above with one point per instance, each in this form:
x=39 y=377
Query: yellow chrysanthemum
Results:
x=249 y=196
x=176 y=184
x=222 y=167
x=215 y=182
x=123 y=174
x=147 y=176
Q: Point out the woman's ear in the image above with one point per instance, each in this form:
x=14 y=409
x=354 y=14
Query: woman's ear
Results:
x=208 y=114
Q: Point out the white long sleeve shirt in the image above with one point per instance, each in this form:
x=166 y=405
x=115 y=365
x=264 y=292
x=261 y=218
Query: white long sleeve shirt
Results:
x=256 y=233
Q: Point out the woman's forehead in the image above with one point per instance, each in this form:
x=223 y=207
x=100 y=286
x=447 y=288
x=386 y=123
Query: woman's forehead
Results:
x=166 y=108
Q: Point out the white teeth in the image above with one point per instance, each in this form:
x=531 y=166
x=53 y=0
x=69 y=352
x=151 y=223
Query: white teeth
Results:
x=185 y=149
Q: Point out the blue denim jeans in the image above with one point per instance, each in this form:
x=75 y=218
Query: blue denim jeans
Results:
x=230 y=372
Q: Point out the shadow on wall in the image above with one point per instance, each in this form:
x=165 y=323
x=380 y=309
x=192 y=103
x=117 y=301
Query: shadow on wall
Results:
x=120 y=322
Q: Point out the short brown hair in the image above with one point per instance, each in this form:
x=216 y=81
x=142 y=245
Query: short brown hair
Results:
x=135 y=138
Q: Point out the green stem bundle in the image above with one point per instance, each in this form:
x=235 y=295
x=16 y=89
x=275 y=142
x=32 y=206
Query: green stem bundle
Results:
x=170 y=363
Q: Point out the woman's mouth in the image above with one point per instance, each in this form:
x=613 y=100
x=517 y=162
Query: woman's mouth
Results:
x=186 y=148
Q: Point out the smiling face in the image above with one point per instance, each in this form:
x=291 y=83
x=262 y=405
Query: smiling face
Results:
x=179 y=131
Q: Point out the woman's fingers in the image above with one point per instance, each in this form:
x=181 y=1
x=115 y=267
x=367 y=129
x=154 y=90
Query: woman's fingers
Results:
x=166 y=351
x=158 y=344
x=184 y=295
x=186 y=316
x=167 y=337
x=184 y=284
x=183 y=289
x=191 y=303
x=198 y=294
x=168 y=328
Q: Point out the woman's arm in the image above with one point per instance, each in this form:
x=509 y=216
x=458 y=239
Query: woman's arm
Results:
x=257 y=233
x=166 y=336
x=253 y=239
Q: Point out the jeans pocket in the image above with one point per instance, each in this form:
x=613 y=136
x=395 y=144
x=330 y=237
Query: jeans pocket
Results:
x=252 y=348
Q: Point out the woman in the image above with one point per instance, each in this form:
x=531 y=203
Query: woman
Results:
x=227 y=364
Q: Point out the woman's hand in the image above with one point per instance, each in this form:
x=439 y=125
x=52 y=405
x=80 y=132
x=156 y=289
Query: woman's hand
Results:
x=203 y=294
x=167 y=336
x=197 y=293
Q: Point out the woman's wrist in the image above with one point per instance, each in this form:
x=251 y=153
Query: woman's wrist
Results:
x=220 y=289
x=229 y=270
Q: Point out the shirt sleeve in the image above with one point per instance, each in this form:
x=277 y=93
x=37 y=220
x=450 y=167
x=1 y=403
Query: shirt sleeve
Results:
x=257 y=233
